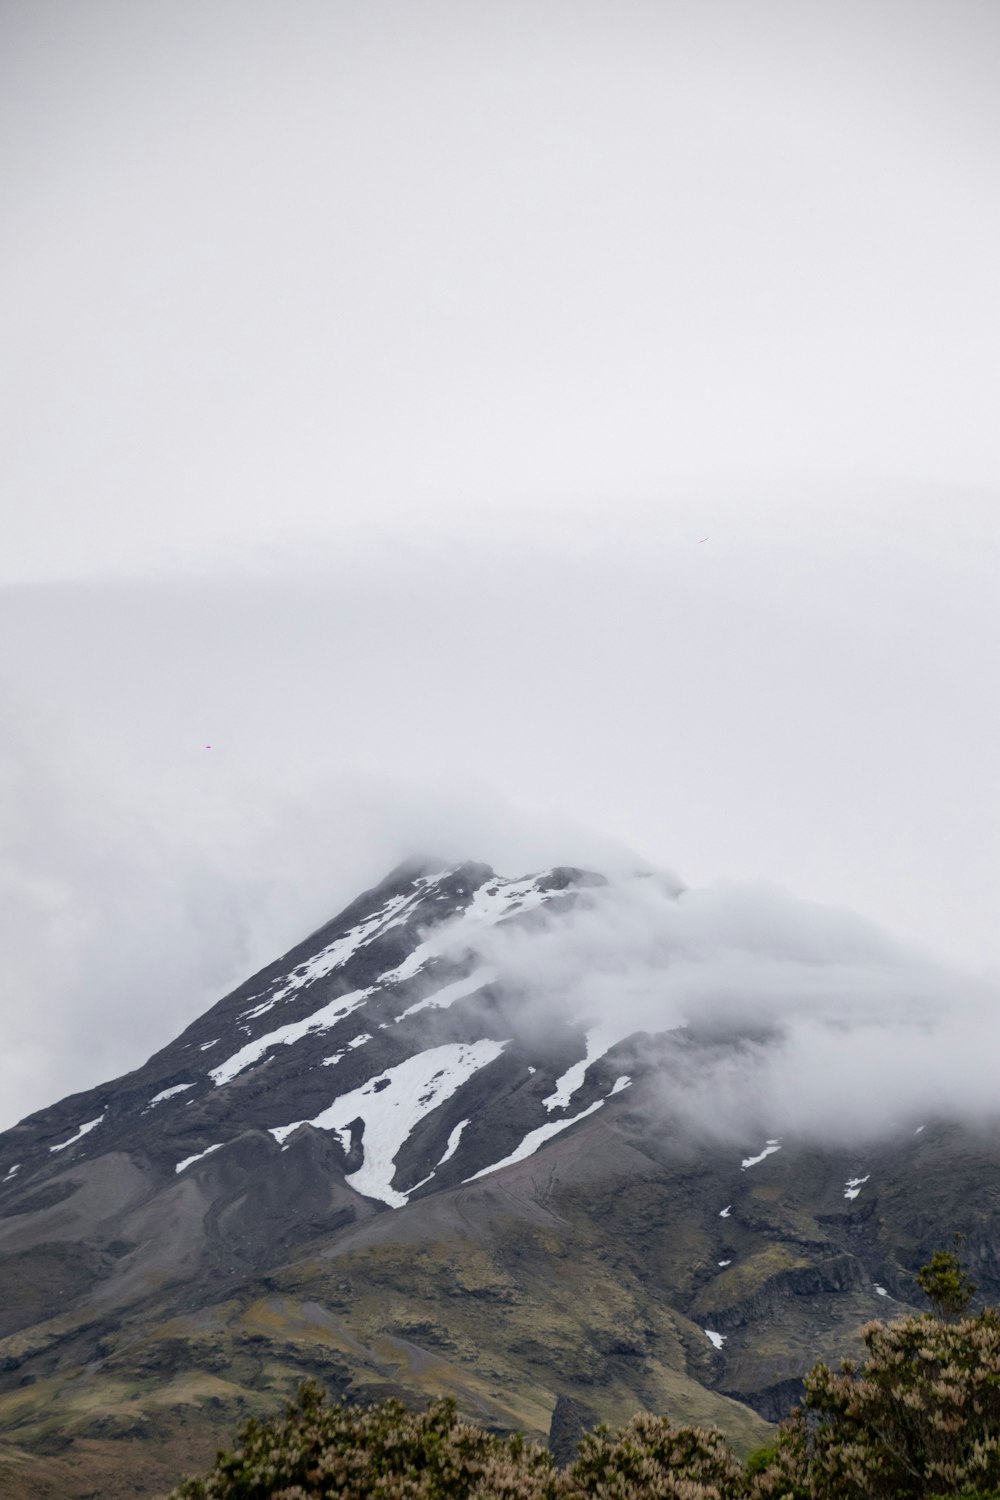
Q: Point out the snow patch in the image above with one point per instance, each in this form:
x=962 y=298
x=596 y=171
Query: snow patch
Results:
x=918 y=1130
x=257 y=1010
x=882 y=1291
x=501 y=898
x=725 y=1212
x=205 y=1045
x=392 y=1104
x=853 y=1185
x=717 y=1339
x=600 y=1039
x=624 y=1082
x=178 y=1088
x=189 y=1159
x=320 y=1020
x=83 y=1130
x=450 y=993
x=390 y=914
x=725 y=1262
x=359 y=1041
x=13 y=1172
x=449 y=1152
x=534 y=1139
x=769 y=1150
x=453 y=1140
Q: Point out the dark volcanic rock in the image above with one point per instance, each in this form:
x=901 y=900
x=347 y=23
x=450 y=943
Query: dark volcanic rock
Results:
x=303 y=1183
x=571 y=1419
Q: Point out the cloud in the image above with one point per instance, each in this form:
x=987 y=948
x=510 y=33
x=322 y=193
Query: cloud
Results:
x=781 y=704
x=799 y=1019
x=131 y=900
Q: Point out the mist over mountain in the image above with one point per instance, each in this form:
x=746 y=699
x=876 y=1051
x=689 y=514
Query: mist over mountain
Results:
x=844 y=1032
x=499 y=567
x=560 y=1137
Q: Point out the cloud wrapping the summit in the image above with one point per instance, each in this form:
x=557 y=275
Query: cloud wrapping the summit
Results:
x=834 y=1029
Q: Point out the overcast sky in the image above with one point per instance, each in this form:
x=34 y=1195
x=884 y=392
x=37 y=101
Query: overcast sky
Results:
x=538 y=431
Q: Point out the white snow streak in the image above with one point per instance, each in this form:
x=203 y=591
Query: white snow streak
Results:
x=450 y=993
x=725 y=1212
x=600 y=1039
x=178 y=1088
x=751 y=1161
x=342 y=948
x=725 y=1262
x=189 y=1159
x=320 y=1020
x=534 y=1139
x=501 y=898
x=718 y=1339
x=392 y=1104
x=449 y=1152
x=83 y=1130
x=13 y=1172
x=453 y=1140
x=853 y=1186
x=359 y=1041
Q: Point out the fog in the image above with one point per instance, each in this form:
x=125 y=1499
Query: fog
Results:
x=550 y=432
x=198 y=771
x=815 y=1023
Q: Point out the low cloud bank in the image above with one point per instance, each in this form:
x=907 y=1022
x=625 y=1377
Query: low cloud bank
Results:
x=816 y=1023
x=131 y=899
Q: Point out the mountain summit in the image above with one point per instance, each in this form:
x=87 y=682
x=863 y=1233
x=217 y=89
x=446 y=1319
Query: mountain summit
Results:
x=385 y=1161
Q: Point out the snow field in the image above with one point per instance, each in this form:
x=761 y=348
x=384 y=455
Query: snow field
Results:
x=392 y=1104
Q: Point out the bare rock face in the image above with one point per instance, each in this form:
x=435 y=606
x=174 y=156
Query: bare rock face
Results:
x=378 y=1163
x=571 y=1419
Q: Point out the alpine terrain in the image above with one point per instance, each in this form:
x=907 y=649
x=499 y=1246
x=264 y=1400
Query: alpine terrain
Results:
x=381 y=1162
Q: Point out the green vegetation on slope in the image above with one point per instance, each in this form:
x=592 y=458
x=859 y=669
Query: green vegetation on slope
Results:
x=919 y=1418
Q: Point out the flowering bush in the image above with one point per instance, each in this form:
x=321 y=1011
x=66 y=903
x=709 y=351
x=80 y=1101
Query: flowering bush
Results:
x=918 y=1419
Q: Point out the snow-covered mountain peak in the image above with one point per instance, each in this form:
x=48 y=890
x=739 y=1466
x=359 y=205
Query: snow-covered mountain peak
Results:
x=383 y=1029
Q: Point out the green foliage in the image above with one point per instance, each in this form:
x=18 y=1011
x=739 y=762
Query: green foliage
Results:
x=383 y=1452
x=945 y=1285
x=762 y=1459
x=918 y=1419
x=651 y=1459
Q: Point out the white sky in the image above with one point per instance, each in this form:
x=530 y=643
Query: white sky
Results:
x=372 y=374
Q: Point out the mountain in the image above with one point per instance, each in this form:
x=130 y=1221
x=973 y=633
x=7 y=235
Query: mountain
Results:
x=385 y=1162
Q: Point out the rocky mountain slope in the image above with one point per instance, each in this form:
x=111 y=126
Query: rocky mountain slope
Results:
x=379 y=1162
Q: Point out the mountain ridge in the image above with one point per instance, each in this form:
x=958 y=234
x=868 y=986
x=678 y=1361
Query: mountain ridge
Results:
x=377 y=1161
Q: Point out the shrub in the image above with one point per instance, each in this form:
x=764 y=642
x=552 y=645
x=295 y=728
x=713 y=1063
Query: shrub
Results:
x=651 y=1460
x=945 y=1285
x=374 y=1453
x=919 y=1419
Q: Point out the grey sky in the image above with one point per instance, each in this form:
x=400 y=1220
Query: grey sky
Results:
x=372 y=376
